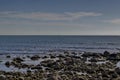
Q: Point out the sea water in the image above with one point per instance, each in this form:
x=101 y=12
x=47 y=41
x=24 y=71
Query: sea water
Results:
x=44 y=44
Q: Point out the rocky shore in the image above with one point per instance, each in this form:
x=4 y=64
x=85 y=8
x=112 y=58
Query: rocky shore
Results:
x=64 y=66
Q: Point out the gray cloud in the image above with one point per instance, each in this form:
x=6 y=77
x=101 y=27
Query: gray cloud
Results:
x=67 y=16
x=113 y=21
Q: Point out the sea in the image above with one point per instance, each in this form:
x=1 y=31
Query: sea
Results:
x=31 y=44
x=21 y=46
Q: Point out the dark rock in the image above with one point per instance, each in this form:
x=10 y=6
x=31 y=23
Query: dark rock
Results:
x=21 y=78
x=35 y=57
x=74 y=53
x=48 y=63
x=24 y=65
x=114 y=75
x=91 y=55
x=52 y=56
x=28 y=56
x=18 y=60
x=1 y=61
x=8 y=56
x=117 y=70
x=106 y=53
x=113 y=57
x=90 y=71
x=93 y=60
x=77 y=78
x=61 y=56
x=104 y=74
x=7 y=64
x=2 y=77
x=44 y=57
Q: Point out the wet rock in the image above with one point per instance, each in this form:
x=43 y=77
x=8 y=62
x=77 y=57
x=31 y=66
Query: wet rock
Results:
x=86 y=55
x=7 y=64
x=91 y=55
x=18 y=60
x=24 y=65
x=78 y=78
x=113 y=57
x=51 y=78
x=106 y=54
x=8 y=56
x=114 y=75
x=66 y=52
x=76 y=57
x=35 y=57
x=105 y=75
x=61 y=56
x=1 y=61
x=2 y=77
x=28 y=56
x=74 y=53
x=117 y=70
x=90 y=71
x=44 y=57
x=21 y=78
x=48 y=63
x=52 y=56
x=93 y=60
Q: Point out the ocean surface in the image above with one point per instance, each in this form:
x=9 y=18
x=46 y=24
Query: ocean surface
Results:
x=44 y=44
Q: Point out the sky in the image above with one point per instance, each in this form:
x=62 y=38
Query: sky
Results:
x=59 y=17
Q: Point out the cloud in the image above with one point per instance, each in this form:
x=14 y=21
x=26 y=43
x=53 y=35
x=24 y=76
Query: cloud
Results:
x=66 y=16
x=113 y=21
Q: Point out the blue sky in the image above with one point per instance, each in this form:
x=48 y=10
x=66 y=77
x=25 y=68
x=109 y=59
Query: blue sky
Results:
x=59 y=17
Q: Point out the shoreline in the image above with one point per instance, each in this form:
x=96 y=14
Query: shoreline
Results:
x=62 y=66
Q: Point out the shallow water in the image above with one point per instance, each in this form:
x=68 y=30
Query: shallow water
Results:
x=26 y=61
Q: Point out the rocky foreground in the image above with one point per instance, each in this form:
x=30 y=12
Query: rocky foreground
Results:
x=66 y=66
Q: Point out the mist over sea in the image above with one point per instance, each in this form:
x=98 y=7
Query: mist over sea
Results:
x=44 y=44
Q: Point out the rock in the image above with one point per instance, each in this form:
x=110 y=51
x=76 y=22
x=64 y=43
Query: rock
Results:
x=66 y=52
x=2 y=77
x=61 y=56
x=7 y=64
x=86 y=55
x=35 y=57
x=24 y=65
x=106 y=53
x=8 y=56
x=90 y=71
x=91 y=55
x=18 y=60
x=51 y=78
x=44 y=57
x=28 y=56
x=105 y=75
x=52 y=56
x=21 y=78
x=78 y=78
x=93 y=60
x=117 y=70
x=114 y=75
x=113 y=57
x=48 y=63
x=36 y=67
x=74 y=53
x=1 y=61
